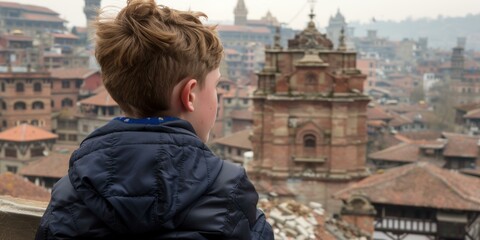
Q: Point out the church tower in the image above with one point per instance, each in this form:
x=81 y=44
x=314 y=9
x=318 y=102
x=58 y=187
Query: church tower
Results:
x=310 y=111
x=91 y=11
x=241 y=13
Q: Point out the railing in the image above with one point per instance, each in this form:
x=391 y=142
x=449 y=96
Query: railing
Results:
x=19 y=219
x=405 y=225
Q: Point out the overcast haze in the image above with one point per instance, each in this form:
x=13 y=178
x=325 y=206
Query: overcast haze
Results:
x=292 y=12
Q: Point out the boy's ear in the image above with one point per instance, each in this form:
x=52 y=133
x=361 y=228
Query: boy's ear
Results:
x=187 y=95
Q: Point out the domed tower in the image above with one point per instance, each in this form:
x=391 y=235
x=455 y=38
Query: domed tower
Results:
x=91 y=12
x=240 y=13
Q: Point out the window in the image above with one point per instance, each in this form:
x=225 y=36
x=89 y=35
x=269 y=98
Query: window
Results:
x=34 y=122
x=19 y=106
x=85 y=128
x=72 y=138
x=61 y=137
x=67 y=102
x=12 y=169
x=245 y=101
x=19 y=87
x=10 y=152
x=4 y=123
x=37 y=105
x=4 y=106
x=239 y=152
x=37 y=152
x=78 y=83
x=2 y=87
x=309 y=141
x=65 y=84
x=37 y=87
x=311 y=79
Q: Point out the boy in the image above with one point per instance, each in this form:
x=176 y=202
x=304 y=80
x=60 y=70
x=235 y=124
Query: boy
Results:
x=149 y=175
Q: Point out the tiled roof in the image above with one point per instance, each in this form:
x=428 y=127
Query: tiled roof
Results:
x=17 y=38
x=403 y=152
x=473 y=114
x=26 y=133
x=419 y=185
x=72 y=73
x=468 y=107
x=101 y=99
x=41 y=17
x=242 y=114
x=238 y=139
x=421 y=116
x=244 y=29
x=422 y=135
x=399 y=120
x=64 y=35
x=15 y=186
x=31 y=8
x=55 y=165
x=460 y=145
x=376 y=123
x=377 y=113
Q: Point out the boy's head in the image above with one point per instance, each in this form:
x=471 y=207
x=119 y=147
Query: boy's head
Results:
x=150 y=54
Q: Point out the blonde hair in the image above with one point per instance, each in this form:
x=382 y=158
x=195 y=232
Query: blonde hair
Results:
x=147 y=49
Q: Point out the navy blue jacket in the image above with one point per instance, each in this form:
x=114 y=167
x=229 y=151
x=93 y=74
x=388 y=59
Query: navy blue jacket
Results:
x=138 y=181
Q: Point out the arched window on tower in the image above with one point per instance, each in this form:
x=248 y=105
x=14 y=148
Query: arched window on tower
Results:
x=309 y=145
x=309 y=141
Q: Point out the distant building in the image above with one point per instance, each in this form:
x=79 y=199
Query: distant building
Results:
x=47 y=170
x=337 y=24
x=416 y=199
x=31 y=20
x=96 y=111
x=22 y=144
x=25 y=98
x=310 y=111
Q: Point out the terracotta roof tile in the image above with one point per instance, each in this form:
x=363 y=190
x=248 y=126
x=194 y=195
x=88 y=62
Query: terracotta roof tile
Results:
x=238 y=139
x=41 y=17
x=31 y=8
x=17 y=38
x=64 y=35
x=72 y=73
x=459 y=145
x=468 y=107
x=403 y=152
x=420 y=185
x=377 y=113
x=15 y=186
x=55 y=165
x=26 y=133
x=101 y=99
x=473 y=114
x=422 y=135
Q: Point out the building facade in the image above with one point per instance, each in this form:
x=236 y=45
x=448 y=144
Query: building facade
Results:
x=310 y=112
x=25 y=98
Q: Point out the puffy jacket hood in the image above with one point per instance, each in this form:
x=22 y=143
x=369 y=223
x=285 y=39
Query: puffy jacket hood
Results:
x=136 y=189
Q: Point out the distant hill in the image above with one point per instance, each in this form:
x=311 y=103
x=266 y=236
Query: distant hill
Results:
x=442 y=32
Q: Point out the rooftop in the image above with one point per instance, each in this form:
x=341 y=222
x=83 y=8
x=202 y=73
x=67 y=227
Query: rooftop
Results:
x=16 y=186
x=238 y=139
x=54 y=165
x=419 y=185
x=26 y=133
x=101 y=99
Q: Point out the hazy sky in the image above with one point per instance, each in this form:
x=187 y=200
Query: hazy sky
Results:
x=292 y=12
